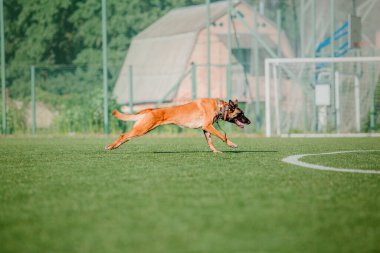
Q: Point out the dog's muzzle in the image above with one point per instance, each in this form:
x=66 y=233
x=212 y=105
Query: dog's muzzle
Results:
x=241 y=121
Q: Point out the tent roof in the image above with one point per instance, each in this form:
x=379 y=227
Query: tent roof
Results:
x=183 y=20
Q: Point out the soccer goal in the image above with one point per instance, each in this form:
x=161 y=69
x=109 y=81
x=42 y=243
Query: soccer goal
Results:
x=320 y=95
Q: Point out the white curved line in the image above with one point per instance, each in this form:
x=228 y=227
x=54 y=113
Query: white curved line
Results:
x=294 y=159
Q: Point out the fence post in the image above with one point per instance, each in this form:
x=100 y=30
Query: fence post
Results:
x=279 y=33
x=229 y=46
x=357 y=103
x=228 y=77
x=130 y=74
x=4 y=98
x=302 y=28
x=105 y=69
x=332 y=54
x=193 y=81
x=33 y=97
x=257 y=72
x=372 y=97
x=337 y=101
x=278 y=71
x=208 y=49
x=314 y=80
x=268 y=127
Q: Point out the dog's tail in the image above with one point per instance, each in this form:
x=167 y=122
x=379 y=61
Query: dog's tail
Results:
x=129 y=117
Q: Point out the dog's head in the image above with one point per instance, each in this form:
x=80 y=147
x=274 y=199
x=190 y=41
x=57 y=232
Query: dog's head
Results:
x=235 y=115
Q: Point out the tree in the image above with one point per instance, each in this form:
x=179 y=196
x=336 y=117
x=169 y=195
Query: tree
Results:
x=65 y=32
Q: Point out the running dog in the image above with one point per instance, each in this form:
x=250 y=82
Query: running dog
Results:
x=200 y=113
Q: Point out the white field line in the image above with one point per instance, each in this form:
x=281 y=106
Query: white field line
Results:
x=294 y=159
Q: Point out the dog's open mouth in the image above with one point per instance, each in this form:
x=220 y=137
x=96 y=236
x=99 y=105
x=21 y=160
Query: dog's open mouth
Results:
x=239 y=124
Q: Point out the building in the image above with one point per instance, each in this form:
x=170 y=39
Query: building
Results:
x=163 y=54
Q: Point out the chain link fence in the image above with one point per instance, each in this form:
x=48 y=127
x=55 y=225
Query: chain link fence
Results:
x=69 y=99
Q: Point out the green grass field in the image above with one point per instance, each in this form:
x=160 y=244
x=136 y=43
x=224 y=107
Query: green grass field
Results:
x=174 y=195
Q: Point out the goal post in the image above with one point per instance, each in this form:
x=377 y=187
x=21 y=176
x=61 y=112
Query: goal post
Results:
x=320 y=95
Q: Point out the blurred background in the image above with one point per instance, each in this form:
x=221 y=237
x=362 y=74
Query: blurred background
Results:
x=66 y=64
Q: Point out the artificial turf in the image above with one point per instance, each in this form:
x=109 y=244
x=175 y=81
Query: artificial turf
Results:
x=174 y=195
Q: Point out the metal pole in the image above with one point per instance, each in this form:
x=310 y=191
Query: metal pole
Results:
x=208 y=50
x=130 y=70
x=313 y=24
x=33 y=98
x=332 y=26
x=268 y=127
x=302 y=25
x=304 y=109
x=302 y=37
x=193 y=81
x=276 y=99
x=337 y=102
x=314 y=38
x=357 y=103
x=257 y=73
x=332 y=53
x=262 y=7
x=4 y=98
x=278 y=72
x=229 y=46
x=105 y=70
x=372 y=97
x=279 y=32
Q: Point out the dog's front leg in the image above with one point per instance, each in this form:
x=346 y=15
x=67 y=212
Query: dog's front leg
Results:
x=209 y=141
x=211 y=129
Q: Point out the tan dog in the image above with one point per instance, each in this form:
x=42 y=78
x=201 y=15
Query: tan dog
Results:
x=201 y=113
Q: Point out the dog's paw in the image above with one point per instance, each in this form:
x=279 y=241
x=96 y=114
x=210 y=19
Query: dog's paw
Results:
x=231 y=144
x=108 y=147
x=217 y=151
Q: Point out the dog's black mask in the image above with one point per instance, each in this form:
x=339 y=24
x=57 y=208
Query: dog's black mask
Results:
x=236 y=115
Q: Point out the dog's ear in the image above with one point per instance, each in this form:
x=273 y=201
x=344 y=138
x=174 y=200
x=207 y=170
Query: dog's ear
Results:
x=236 y=102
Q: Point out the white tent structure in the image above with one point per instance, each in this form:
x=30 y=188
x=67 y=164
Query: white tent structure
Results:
x=161 y=54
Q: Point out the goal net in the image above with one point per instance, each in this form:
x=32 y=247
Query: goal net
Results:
x=320 y=95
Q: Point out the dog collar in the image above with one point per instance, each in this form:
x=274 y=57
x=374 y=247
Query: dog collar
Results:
x=225 y=112
x=219 y=115
x=222 y=112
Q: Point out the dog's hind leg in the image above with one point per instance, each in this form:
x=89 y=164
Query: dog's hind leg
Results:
x=139 y=129
x=211 y=129
x=209 y=141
